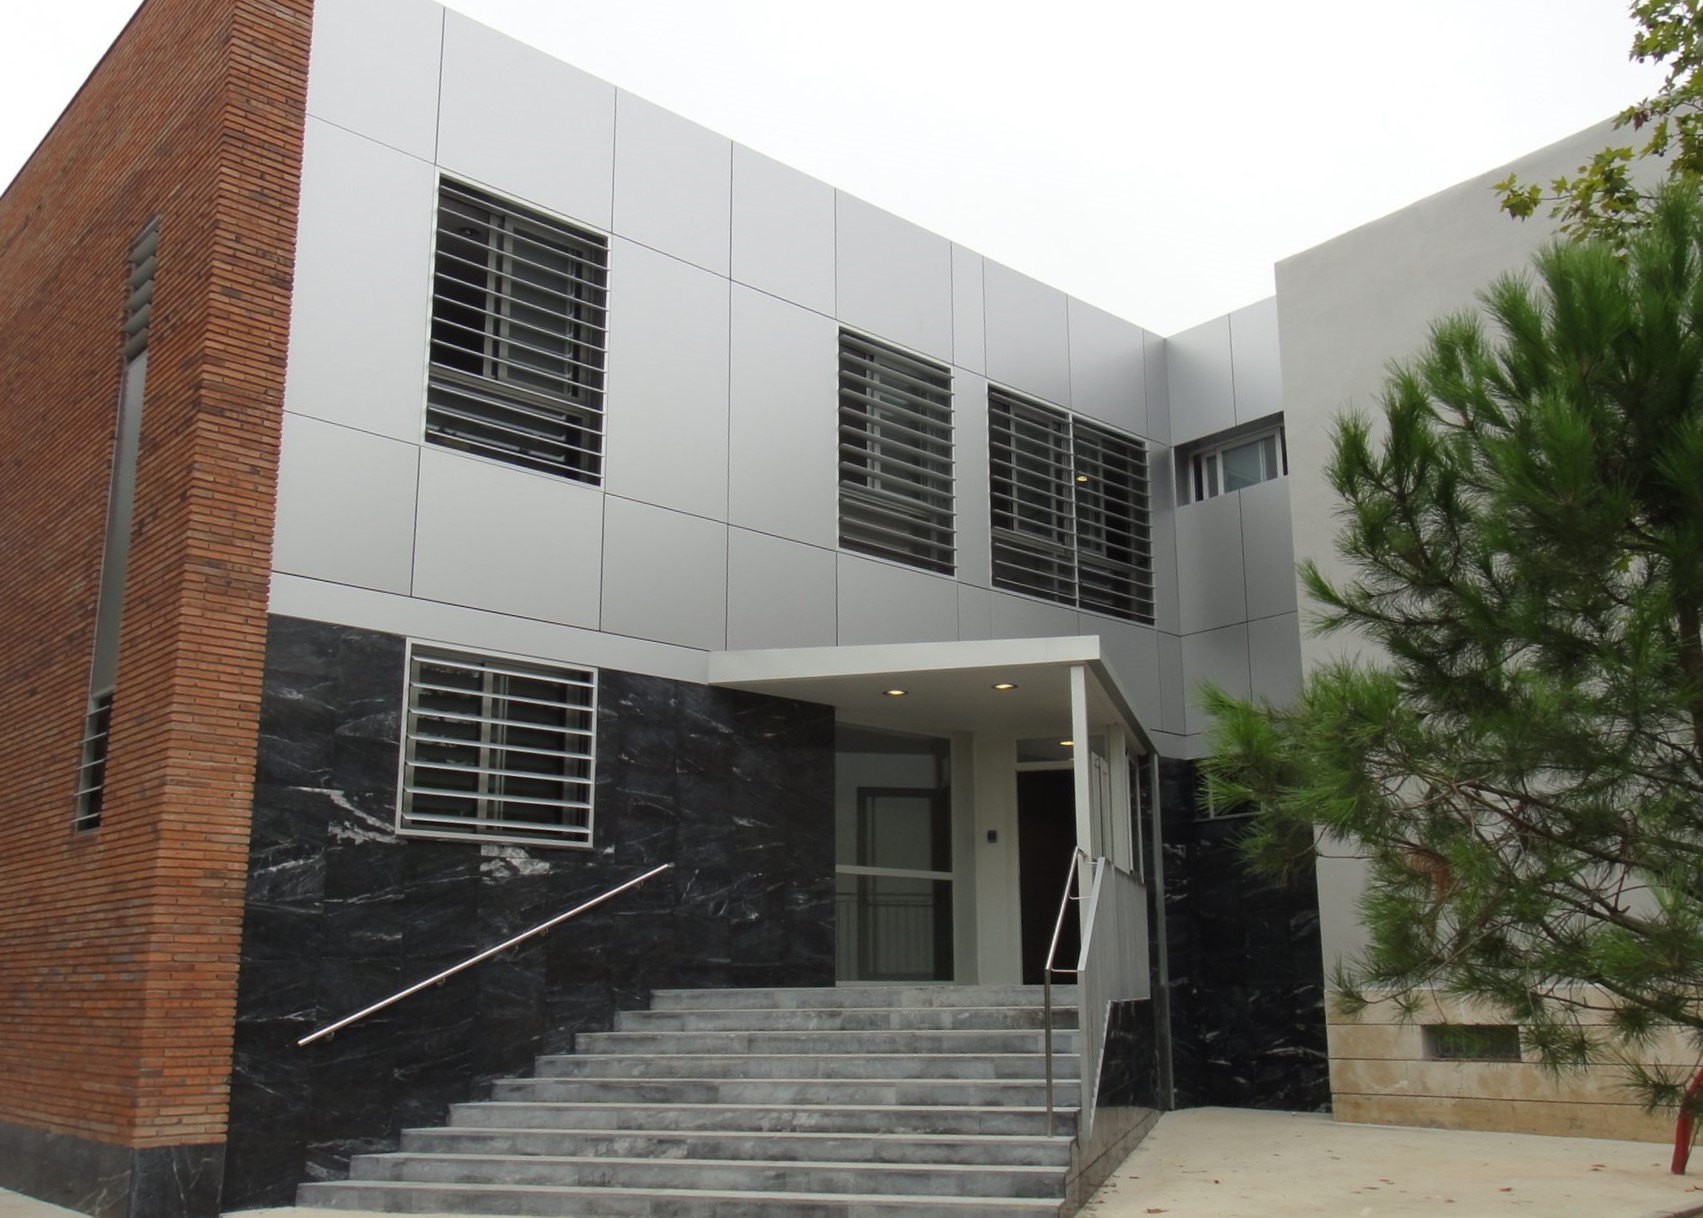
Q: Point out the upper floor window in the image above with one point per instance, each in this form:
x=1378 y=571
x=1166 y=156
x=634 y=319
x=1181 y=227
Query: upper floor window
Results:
x=498 y=749
x=1216 y=466
x=1069 y=509
x=519 y=304
x=895 y=454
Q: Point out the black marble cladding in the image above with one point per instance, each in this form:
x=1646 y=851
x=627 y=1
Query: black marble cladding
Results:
x=735 y=789
x=108 y=1181
x=1247 y=1016
x=1129 y=1057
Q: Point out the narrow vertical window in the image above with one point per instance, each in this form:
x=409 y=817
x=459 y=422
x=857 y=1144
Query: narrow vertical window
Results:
x=895 y=455
x=121 y=497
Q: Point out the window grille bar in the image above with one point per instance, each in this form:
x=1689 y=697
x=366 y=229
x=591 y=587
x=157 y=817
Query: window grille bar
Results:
x=896 y=492
x=490 y=801
x=475 y=782
x=1068 y=500
x=447 y=409
x=518 y=335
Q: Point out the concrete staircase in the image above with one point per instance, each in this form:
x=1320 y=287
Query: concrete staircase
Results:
x=851 y=1102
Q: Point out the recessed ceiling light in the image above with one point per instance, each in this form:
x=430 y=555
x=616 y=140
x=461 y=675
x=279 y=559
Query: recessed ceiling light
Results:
x=1002 y=686
x=1082 y=477
x=895 y=693
x=1067 y=744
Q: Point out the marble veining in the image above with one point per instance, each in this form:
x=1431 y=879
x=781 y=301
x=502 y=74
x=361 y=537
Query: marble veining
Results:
x=1247 y=998
x=735 y=789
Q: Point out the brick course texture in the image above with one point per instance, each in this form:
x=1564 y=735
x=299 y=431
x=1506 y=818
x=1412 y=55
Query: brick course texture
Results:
x=118 y=946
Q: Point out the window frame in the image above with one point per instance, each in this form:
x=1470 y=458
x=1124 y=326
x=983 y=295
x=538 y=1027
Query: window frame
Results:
x=1201 y=465
x=517 y=361
x=896 y=455
x=494 y=718
x=1050 y=467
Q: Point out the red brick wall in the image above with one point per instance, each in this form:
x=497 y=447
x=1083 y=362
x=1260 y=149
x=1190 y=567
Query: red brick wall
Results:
x=118 y=947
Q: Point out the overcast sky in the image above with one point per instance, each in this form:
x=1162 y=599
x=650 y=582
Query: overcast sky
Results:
x=1154 y=157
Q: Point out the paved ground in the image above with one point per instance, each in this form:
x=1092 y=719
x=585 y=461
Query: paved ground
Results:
x=1228 y=1163
x=1231 y=1163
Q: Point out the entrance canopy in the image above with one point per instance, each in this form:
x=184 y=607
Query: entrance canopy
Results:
x=1018 y=687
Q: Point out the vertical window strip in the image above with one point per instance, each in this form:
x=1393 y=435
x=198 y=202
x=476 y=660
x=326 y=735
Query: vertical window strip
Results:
x=121 y=494
x=895 y=455
x=519 y=318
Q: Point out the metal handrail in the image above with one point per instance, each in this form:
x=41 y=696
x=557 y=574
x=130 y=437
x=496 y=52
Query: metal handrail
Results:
x=1077 y=855
x=451 y=971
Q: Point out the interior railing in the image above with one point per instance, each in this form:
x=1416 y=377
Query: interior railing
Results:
x=1110 y=967
x=331 y=1028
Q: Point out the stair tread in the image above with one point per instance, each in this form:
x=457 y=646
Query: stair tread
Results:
x=997 y=1139
x=1041 y=1205
x=784 y=1107
x=780 y=1164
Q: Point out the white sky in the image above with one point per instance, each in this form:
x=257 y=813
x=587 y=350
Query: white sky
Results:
x=1154 y=157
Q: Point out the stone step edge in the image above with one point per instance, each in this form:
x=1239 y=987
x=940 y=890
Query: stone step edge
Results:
x=1027 y=1169
x=897 y=987
x=1037 y=1109
x=1037 y=1059
x=1040 y=1205
x=1037 y=1140
x=641 y=1084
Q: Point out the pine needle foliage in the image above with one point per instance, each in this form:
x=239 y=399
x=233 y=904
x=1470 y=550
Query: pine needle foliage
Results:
x=1518 y=753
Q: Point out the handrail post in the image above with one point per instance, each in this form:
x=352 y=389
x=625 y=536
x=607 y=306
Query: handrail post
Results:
x=1047 y=971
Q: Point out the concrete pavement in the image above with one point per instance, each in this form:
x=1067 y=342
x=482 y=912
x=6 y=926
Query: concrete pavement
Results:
x=1233 y=1163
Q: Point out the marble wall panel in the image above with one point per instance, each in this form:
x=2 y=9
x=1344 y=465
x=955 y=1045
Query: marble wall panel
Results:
x=1247 y=993
x=735 y=789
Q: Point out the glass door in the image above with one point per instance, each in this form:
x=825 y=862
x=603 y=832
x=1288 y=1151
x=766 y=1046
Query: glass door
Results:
x=893 y=882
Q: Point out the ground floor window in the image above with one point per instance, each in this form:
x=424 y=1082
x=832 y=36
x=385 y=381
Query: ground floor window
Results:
x=498 y=748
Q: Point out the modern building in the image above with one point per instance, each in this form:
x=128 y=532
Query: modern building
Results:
x=442 y=487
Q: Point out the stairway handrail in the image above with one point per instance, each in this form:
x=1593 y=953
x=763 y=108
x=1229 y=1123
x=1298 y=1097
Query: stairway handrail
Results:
x=468 y=963
x=1071 y=883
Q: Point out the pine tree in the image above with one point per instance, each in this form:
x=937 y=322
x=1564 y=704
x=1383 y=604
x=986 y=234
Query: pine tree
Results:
x=1519 y=750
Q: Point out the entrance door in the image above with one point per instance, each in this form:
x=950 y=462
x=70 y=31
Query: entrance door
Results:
x=1046 y=839
x=893 y=865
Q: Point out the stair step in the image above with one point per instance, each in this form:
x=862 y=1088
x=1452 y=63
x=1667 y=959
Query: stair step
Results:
x=399 y=1196
x=845 y=996
x=998 y=1093
x=791 y=1118
x=846 y=1102
x=745 y=1144
x=746 y=1175
x=826 y=1041
x=805 y=1065
x=846 y=1019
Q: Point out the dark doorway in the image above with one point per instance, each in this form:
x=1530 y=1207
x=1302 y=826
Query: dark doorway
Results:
x=1046 y=835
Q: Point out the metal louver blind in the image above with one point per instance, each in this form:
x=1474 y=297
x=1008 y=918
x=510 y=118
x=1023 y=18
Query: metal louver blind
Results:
x=139 y=308
x=1114 y=535
x=1069 y=506
x=498 y=749
x=519 y=313
x=895 y=455
x=1034 y=531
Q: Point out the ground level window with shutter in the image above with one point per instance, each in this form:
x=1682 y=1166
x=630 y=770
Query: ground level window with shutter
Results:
x=519 y=303
x=895 y=455
x=498 y=749
x=1069 y=509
